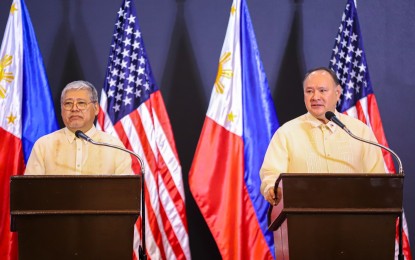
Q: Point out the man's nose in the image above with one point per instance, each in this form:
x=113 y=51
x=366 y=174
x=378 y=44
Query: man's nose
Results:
x=316 y=95
x=75 y=107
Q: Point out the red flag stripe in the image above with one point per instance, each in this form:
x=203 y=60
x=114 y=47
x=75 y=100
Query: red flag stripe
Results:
x=145 y=128
x=233 y=225
x=360 y=112
x=405 y=241
x=372 y=119
x=168 y=193
x=171 y=237
x=159 y=110
x=153 y=223
x=362 y=103
x=174 y=195
x=376 y=122
x=166 y=151
x=11 y=163
x=152 y=202
x=172 y=182
x=139 y=139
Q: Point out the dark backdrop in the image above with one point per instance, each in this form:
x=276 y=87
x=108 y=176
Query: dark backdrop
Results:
x=184 y=40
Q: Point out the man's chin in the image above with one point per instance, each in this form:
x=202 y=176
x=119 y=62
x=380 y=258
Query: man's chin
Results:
x=74 y=127
x=320 y=115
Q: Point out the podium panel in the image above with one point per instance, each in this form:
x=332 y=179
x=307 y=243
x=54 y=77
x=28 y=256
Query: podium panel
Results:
x=75 y=217
x=336 y=216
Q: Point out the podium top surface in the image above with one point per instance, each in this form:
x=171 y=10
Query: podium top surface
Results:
x=304 y=193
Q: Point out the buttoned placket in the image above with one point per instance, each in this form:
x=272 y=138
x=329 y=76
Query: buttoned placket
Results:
x=78 y=162
x=327 y=151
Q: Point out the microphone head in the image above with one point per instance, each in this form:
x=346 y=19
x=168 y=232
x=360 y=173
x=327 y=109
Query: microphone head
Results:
x=329 y=115
x=78 y=133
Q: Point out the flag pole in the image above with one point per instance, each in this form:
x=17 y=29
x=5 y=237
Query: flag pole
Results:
x=142 y=249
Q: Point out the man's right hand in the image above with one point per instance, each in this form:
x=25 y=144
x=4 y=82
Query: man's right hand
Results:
x=271 y=198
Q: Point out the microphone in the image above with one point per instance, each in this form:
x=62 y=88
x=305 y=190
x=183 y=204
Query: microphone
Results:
x=81 y=135
x=332 y=117
x=142 y=249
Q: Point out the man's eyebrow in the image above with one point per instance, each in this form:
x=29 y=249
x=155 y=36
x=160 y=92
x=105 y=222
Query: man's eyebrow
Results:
x=77 y=99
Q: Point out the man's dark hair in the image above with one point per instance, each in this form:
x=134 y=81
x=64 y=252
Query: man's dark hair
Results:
x=332 y=74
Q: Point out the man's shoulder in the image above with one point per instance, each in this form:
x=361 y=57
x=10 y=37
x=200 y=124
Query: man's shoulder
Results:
x=350 y=121
x=294 y=123
x=107 y=137
x=56 y=134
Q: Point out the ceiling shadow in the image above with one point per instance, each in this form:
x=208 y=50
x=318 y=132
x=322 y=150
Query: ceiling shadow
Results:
x=64 y=64
x=83 y=40
x=288 y=93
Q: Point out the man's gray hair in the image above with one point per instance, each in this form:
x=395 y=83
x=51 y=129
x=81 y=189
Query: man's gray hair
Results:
x=81 y=84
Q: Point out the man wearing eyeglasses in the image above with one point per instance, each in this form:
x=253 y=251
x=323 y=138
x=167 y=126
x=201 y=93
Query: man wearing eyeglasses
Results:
x=61 y=153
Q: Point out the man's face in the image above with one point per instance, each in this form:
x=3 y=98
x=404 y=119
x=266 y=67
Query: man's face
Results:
x=80 y=118
x=320 y=94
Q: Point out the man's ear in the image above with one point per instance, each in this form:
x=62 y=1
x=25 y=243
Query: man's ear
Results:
x=338 y=91
x=96 y=106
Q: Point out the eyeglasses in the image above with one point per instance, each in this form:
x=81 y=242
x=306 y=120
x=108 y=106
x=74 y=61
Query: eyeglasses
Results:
x=81 y=105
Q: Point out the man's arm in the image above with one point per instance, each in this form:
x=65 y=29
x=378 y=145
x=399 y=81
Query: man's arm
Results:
x=275 y=162
x=122 y=160
x=123 y=164
x=373 y=155
x=36 y=163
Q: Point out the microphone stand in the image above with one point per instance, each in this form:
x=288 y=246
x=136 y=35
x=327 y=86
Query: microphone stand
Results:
x=378 y=145
x=142 y=249
x=400 y=224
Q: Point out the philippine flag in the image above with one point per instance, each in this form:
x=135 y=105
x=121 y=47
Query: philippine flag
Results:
x=26 y=109
x=240 y=121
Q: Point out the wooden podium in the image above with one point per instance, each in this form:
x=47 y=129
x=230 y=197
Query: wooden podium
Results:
x=336 y=216
x=74 y=217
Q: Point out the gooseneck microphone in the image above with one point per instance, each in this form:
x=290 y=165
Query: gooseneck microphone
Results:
x=142 y=249
x=81 y=135
x=332 y=117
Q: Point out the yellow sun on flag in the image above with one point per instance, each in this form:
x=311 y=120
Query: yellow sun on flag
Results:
x=233 y=9
x=222 y=72
x=11 y=118
x=13 y=8
x=6 y=76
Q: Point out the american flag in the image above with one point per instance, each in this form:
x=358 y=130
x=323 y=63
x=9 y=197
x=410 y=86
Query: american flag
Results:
x=132 y=108
x=349 y=62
